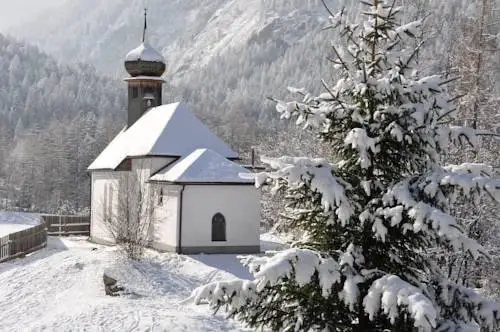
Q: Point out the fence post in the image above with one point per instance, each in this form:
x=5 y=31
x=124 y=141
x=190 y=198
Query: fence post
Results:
x=4 y=248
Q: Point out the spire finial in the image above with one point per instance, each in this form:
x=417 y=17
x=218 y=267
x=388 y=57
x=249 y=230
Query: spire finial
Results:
x=145 y=25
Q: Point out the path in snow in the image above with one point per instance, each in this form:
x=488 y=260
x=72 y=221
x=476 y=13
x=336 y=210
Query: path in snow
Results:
x=60 y=288
x=11 y=222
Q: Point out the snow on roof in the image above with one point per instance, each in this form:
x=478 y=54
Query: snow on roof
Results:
x=145 y=52
x=203 y=166
x=167 y=130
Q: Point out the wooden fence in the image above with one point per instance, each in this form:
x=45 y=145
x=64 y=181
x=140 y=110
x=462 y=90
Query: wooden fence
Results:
x=23 y=242
x=67 y=225
x=28 y=240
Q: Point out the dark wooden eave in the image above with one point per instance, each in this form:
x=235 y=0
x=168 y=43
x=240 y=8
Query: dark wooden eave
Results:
x=204 y=183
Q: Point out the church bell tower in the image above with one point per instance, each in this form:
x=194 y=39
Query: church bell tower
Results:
x=145 y=66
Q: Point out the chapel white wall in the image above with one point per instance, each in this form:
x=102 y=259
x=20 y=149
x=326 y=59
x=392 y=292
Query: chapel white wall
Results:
x=104 y=201
x=107 y=192
x=166 y=218
x=240 y=206
x=142 y=170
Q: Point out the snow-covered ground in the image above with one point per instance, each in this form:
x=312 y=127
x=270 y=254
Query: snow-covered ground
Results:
x=11 y=222
x=60 y=288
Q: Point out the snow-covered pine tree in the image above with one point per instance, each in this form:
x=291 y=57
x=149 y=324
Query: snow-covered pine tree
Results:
x=370 y=219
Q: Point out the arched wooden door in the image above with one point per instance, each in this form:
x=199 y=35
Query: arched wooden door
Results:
x=218 y=227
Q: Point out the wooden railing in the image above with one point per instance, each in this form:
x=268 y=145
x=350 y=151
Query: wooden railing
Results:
x=23 y=242
x=67 y=225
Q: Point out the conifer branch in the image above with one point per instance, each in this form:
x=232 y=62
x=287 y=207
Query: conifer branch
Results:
x=442 y=116
x=333 y=96
x=327 y=8
x=413 y=55
x=340 y=58
x=449 y=81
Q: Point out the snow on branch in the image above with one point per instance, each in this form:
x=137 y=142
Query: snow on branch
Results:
x=419 y=118
x=469 y=179
x=458 y=135
x=481 y=310
x=236 y=293
x=300 y=263
x=358 y=139
x=410 y=29
x=428 y=219
x=318 y=174
x=390 y=293
x=476 y=169
x=297 y=264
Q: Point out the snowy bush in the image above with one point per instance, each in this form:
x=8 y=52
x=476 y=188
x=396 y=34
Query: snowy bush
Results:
x=369 y=220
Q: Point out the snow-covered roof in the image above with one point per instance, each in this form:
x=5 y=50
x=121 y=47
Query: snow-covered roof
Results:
x=167 y=130
x=203 y=166
x=145 y=52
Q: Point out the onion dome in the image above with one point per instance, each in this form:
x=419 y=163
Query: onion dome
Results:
x=144 y=60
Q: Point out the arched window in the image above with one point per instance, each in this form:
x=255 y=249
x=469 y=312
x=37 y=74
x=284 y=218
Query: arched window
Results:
x=218 y=227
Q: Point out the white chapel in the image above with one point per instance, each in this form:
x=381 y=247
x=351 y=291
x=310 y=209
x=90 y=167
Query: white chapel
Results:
x=170 y=167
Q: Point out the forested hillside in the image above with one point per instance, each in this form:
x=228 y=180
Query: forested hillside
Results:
x=224 y=58
x=53 y=120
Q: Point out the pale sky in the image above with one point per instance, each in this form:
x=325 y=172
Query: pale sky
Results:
x=17 y=12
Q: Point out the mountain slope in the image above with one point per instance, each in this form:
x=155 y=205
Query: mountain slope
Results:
x=190 y=33
x=224 y=56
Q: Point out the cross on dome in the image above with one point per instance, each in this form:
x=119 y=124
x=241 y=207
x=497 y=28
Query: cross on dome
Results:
x=144 y=60
x=145 y=25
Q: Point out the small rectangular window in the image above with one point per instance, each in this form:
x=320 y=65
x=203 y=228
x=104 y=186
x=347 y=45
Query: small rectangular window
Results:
x=160 y=197
x=135 y=92
x=105 y=203
x=110 y=202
